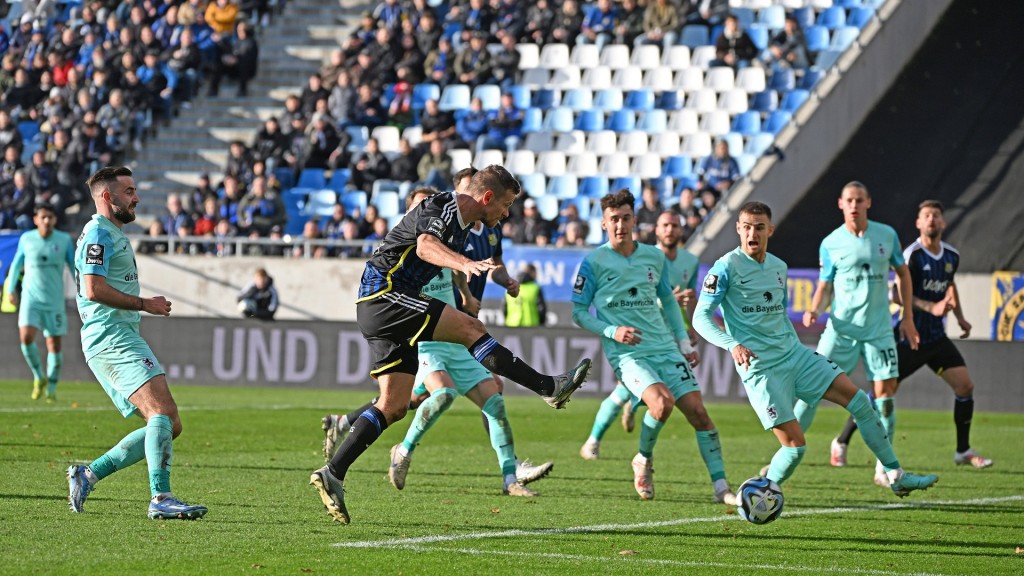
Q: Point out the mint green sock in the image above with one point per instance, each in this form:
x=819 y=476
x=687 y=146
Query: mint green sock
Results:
x=886 y=408
x=128 y=451
x=784 y=463
x=158 y=453
x=609 y=411
x=711 y=452
x=649 y=431
x=804 y=413
x=31 y=354
x=54 y=362
x=872 y=430
x=501 y=434
x=427 y=414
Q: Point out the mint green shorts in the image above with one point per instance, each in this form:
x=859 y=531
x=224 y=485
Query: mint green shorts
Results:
x=773 y=391
x=672 y=370
x=879 y=354
x=52 y=322
x=454 y=359
x=123 y=370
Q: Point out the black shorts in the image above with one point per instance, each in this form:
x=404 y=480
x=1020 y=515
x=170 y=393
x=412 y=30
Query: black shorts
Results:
x=939 y=355
x=392 y=323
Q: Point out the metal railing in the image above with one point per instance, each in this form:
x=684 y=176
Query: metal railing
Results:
x=287 y=247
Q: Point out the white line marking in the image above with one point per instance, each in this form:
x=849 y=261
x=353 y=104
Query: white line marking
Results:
x=665 y=562
x=51 y=409
x=406 y=542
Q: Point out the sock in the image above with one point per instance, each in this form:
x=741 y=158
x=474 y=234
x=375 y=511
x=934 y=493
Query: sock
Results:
x=963 y=412
x=606 y=414
x=54 y=362
x=872 y=431
x=848 y=430
x=365 y=431
x=501 y=435
x=804 y=413
x=649 y=431
x=500 y=360
x=128 y=451
x=886 y=408
x=785 y=462
x=621 y=395
x=427 y=414
x=352 y=416
x=31 y=354
x=158 y=453
x=711 y=452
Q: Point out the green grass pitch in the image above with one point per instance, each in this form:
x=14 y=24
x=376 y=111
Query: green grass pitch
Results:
x=247 y=453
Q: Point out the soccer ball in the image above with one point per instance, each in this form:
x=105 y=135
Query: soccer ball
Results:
x=760 y=500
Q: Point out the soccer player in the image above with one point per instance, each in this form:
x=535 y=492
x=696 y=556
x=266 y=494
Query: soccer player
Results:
x=682 y=276
x=648 y=346
x=933 y=264
x=394 y=316
x=109 y=303
x=855 y=262
x=42 y=254
x=776 y=369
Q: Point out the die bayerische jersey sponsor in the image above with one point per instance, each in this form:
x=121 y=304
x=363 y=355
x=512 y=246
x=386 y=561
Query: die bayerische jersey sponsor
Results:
x=931 y=275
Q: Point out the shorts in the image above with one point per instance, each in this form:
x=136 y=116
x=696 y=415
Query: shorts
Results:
x=939 y=355
x=123 y=369
x=879 y=354
x=392 y=323
x=773 y=391
x=454 y=359
x=52 y=322
x=672 y=370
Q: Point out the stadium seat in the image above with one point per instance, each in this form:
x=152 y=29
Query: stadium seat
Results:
x=720 y=78
x=629 y=182
x=659 y=79
x=793 y=100
x=602 y=143
x=703 y=100
x=697 y=145
x=545 y=98
x=547 y=206
x=744 y=15
x=677 y=166
x=735 y=142
x=782 y=80
x=533 y=184
x=826 y=59
x=563 y=186
x=423 y=92
x=590 y=120
x=665 y=144
x=352 y=201
x=615 y=56
x=387 y=138
x=773 y=17
x=777 y=121
x=533 y=120
x=387 y=203
x=593 y=186
x=670 y=100
x=640 y=100
x=859 y=16
x=585 y=56
x=598 y=78
x=745 y=162
x=647 y=166
x=832 y=18
x=312 y=178
x=633 y=143
x=358 y=135
x=751 y=79
x=811 y=77
x=414 y=134
x=758 y=144
x=628 y=79
x=759 y=35
x=747 y=123
x=454 y=97
x=565 y=77
x=529 y=56
x=615 y=165
x=608 y=99
x=559 y=120
x=621 y=121
x=485 y=158
x=817 y=38
x=578 y=98
x=733 y=101
x=521 y=162
x=702 y=57
x=520 y=96
x=539 y=141
x=843 y=38
x=551 y=163
x=684 y=121
x=339 y=178
x=583 y=164
x=286 y=176
x=595 y=234
x=690 y=79
x=385 y=185
x=461 y=158
x=28 y=129
x=716 y=122
x=676 y=57
x=535 y=78
x=489 y=95
x=570 y=143
x=554 y=56
x=582 y=204
x=764 y=101
x=804 y=16
x=653 y=122
x=646 y=56
x=694 y=35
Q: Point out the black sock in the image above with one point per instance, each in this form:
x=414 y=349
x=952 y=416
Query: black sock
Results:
x=353 y=415
x=487 y=424
x=963 y=412
x=500 y=360
x=365 y=431
x=848 y=430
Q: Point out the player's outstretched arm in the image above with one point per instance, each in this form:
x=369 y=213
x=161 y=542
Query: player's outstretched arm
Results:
x=820 y=301
x=97 y=290
x=432 y=250
x=704 y=323
x=499 y=275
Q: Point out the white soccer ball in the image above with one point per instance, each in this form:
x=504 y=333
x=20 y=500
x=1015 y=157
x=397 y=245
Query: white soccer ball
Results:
x=760 y=500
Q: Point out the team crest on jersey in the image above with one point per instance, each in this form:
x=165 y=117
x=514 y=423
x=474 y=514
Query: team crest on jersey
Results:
x=148 y=364
x=772 y=412
x=881 y=249
x=778 y=276
x=650 y=275
x=577 y=287
x=711 y=284
x=949 y=267
x=492 y=239
x=94 y=254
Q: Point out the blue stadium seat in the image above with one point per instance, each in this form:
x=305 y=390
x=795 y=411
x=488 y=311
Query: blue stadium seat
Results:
x=358 y=136
x=545 y=98
x=640 y=100
x=670 y=100
x=690 y=182
x=662 y=186
x=826 y=59
x=320 y=203
x=764 y=101
x=489 y=95
x=777 y=121
x=286 y=176
x=745 y=162
x=804 y=17
x=860 y=16
x=832 y=17
x=451 y=29
x=353 y=200
x=774 y=16
x=811 y=77
x=312 y=178
x=758 y=144
x=590 y=121
x=677 y=166
x=760 y=35
x=578 y=98
x=848 y=3
x=559 y=120
x=735 y=142
x=593 y=186
x=694 y=35
x=533 y=184
x=632 y=183
x=608 y=99
x=563 y=186
x=520 y=96
x=817 y=38
x=747 y=123
x=782 y=80
x=621 y=121
x=653 y=122
x=793 y=99
x=423 y=92
x=387 y=203
x=454 y=97
x=29 y=129
x=533 y=120
x=339 y=178
x=844 y=37
x=583 y=205
x=548 y=207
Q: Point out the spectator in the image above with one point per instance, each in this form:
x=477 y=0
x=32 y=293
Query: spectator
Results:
x=428 y=33
x=693 y=220
x=436 y=125
x=505 y=125
x=435 y=167
x=599 y=24
x=323 y=140
x=404 y=167
x=259 y=298
x=42 y=176
x=380 y=230
x=331 y=69
x=719 y=170
x=660 y=24
x=195 y=198
x=175 y=219
x=10 y=164
x=239 y=60
x=388 y=14
x=409 y=66
x=367 y=110
x=223 y=235
x=788 y=48
x=509 y=21
x=261 y=209
x=269 y=145
x=708 y=201
x=230 y=199
x=570 y=218
x=573 y=236
x=476 y=20
x=647 y=215
x=17 y=200
x=472 y=125
x=687 y=202
x=310 y=231
x=118 y=122
x=278 y=246
x=371 y=166
x=539 y=17
x=207 y=219
x=733 y=47
x=331 y=227
x=159 y=81
x=565 y=25
x=297 y=148
x=528 y=309
x=366 y=223
x=313 y=91
x=342 y=99
x=439 y=65
x=221 y=16
x=505 y=64
x=185 y=60
x=473 y=66
x=150 y=245
x=532 y=225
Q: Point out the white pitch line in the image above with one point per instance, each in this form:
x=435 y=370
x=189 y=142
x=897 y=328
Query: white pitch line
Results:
x=406 y=542
x=664 y=562
x=62 y=409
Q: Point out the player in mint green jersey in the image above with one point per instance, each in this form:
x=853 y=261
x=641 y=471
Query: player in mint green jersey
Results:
x=855 y=262
x=749 y=285
x=42 y=254
x=644 y=339
x=109 y=304
x=682 y=276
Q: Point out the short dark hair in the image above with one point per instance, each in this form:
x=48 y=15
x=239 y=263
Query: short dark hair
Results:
x=754 y=207
x=931 y=204
x=621 y=198
x=856 y=184
x=427 y=190
x=494 y=178
x=464 y=173
x=104 y=176
x=43 y=206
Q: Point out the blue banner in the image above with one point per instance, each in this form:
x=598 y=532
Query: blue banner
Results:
x=8 y=246
x=1008 y=306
